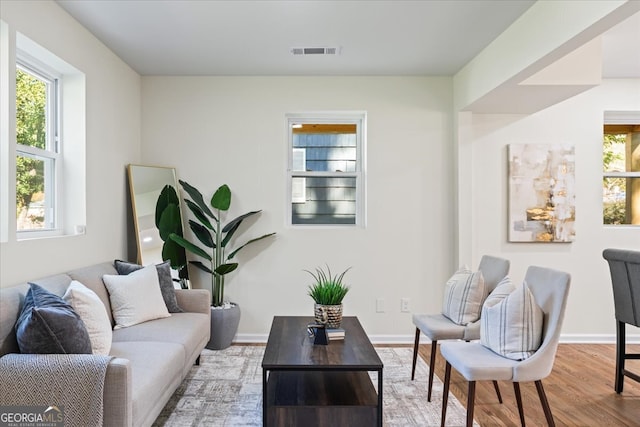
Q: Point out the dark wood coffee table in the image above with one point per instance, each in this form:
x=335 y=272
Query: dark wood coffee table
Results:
x=319 y=385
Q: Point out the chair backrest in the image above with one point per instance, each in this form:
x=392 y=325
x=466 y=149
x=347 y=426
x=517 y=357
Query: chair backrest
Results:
x=550 y=289
x=624 y=265
x=493 y=269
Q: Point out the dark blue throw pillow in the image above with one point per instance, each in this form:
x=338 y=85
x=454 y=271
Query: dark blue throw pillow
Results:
x=48 y=325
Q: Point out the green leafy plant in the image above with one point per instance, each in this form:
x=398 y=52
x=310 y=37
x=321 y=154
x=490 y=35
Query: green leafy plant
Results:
x=168 y=220
x=328 y=289
x=214 y=237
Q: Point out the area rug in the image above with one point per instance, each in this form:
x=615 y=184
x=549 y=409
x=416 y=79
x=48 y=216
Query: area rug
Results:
x=226 y=390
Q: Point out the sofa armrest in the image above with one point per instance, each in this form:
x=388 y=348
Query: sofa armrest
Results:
x=117 y=394
x=194 y=300
x=69 y=370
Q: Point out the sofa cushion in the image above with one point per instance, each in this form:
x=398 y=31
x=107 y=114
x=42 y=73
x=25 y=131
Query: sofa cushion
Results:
x=136 y=297
x=164 y=278
x=190 y=330
x=464 y=294
x=156 y=371
x=87 y=304
x=47 y=324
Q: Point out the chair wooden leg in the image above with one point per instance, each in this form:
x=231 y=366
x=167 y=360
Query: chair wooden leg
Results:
x=445 y=392
x=516 y=389
x=415 y=353
x=497 y=388
x=620 y=356
x=471 y=397
x=545 y=404
x=432 y=367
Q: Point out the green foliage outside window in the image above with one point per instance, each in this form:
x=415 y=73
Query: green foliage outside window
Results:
x=614 y=208
x=31 y=97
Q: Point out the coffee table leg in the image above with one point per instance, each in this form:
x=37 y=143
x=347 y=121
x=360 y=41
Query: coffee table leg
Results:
x=264 y=397
x=380 y=398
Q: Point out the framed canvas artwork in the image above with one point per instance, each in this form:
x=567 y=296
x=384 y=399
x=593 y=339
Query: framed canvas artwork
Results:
x=541 y=193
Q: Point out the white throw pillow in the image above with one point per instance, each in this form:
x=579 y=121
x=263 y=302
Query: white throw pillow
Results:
x=136 y=297
x=89 y=307
x=512 y=327
x=500 y=292
x=464 y=294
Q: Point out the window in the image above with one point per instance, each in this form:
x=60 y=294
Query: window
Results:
x=42 y=128
x=326 y=169
x=37 y=148
x=621 y=176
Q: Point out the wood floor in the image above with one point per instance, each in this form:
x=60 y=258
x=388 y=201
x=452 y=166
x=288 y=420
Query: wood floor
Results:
x=579 y=390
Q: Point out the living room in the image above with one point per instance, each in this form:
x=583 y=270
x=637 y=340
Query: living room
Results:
x=436 y=166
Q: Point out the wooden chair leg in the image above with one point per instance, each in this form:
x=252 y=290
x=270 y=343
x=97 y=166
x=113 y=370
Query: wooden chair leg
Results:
x=432 y=367
x=445 y=392
x=545 y=404
x=415 y=353
x=497 y=388
x=620 y=356
x=516 y=389
x=471 y=397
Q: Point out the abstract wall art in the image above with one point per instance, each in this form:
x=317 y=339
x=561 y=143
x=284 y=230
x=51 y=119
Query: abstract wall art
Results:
x=541 y=193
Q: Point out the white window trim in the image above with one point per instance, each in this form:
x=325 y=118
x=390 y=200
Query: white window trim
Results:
x=621 y=118
x=71 y=189
x=32 y=65
x=330 y=117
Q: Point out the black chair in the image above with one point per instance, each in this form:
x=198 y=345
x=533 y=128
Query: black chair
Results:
x=625 y=277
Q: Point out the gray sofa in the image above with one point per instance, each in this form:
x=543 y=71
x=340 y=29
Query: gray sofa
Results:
x=150 y=359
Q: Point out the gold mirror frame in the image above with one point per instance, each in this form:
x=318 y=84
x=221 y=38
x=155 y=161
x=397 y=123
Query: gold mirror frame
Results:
x=145 y=185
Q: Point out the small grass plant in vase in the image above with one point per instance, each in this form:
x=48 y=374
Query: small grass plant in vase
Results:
x=327 y=292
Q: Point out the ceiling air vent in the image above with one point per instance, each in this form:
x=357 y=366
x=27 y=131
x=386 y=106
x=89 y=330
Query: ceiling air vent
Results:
x=315 y=51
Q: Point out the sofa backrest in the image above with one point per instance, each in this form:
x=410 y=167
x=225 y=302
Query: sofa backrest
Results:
x=12 y=298
x=91 y=277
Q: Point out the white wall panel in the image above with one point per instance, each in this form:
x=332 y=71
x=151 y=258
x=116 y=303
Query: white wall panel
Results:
x=232 y=130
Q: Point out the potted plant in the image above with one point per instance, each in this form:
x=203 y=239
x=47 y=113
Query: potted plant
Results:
x=168 y=220
x=327 y=292
x=215 y=247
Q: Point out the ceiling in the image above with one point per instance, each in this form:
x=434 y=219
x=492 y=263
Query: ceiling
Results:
x=254 y=37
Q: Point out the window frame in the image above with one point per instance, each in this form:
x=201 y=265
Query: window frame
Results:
x=53 y=146
x=624 y=118
x=339 y=117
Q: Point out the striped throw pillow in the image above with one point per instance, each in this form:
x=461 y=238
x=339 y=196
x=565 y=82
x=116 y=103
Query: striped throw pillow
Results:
x=511 y=324
x=499 y=293
x=464 y=294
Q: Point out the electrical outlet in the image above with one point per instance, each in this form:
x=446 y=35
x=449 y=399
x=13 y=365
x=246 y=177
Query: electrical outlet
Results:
x=380 y=305
x=404 y=305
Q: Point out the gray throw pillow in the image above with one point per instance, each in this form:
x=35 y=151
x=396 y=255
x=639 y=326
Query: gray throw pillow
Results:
x=48 y=325
x=164 y=277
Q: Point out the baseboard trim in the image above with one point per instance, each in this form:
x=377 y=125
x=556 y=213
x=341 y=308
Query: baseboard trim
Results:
x=596 y=339
x=251 y=338
x=408 y=339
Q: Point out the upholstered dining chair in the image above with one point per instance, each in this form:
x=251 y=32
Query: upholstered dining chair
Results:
x=475 y=362
x=624 y=266
x=438 y=327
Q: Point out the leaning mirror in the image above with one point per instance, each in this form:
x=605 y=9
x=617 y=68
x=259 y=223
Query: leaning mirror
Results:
x=146 y=183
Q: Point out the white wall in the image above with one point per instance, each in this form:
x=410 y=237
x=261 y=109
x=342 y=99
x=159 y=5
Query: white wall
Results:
x=579 y=120
x=112 y=141
x=217 y=130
